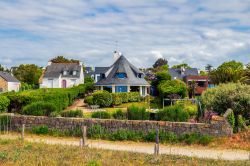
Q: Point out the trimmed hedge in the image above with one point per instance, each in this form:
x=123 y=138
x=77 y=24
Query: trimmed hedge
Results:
x=101 y=115
x=4 y=103
x=174 y=113
x=60 y=98
x=39 y=109
x=89 y=100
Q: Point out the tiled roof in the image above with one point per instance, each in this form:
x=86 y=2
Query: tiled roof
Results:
x=8 y=77
x=180 y=73
x=56 y=69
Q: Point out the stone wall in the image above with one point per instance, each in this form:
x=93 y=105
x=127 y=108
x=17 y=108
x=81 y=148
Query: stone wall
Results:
x=218 y=127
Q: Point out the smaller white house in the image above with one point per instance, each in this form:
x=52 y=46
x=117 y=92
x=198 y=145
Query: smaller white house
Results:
x=8 y=82
x=62 y=75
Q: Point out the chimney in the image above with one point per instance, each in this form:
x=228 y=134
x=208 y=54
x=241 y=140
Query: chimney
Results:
x=182 y=71
x=116 y=55
x=49 y=63
x=80 y=63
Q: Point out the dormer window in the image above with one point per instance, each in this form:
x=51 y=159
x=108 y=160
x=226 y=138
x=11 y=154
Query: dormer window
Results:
x=65 y=72
x=74 y=73
x=139 y=75
x=121 y=75
x=102 y=75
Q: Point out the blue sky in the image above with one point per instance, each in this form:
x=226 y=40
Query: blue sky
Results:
x=196 y=32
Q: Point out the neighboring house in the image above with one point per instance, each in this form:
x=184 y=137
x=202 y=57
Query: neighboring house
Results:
x=122 y=76
x=190 y=75
x=62 y=75
x=95 y=73
x=8 y=82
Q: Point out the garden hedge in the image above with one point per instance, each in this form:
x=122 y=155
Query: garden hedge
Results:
x=4 y=103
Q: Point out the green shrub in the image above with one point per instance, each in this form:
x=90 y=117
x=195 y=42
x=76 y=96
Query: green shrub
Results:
x=169 y=87
x=89 y=100
x=138 y=113
x=205 y=140
x=101 y=115
x=4 y=103
x=174 y=113
x=119 y=114
x=43 y=129
x=116 y=98
x=133 y=96
x=4 y=121
x=55 y=114
x=72 y=113
x=102 y=98
x=39 y=109
x=231 y=119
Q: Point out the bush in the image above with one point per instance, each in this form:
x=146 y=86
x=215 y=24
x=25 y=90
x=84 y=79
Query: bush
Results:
x=4 y=103
x=40 y=129
x=133 y=96
x=174 y=113
x=89 y=100
x=72 y=113
x=233 y=95
x=205 y=140
x=39 y=109
x=137 y=113
x=102 y=98
x=116 y=98
x=101 y=115
x=169 y=87
x=119 y=114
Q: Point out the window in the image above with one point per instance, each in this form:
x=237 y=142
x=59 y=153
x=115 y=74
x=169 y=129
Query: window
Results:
x=121 y=75
x=201 y=83
x=65 y=72
x=73 y=81
x=74 y=73
x=102 y=75
x=139 y=75
x=121 y=89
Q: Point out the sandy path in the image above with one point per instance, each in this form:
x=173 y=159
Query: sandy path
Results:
x=203 y=152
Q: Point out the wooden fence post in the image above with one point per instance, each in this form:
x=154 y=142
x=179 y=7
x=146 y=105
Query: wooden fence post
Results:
x=23 y=130
x=156 y=152
x=84 y=135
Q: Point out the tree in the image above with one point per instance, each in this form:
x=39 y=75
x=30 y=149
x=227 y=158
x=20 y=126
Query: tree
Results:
x=183 y=65
x=161 y=76
x=62 y=59
x=231 y=71
x=169 y=87
x=208 y=68
x=191 y=88
x=160 y=62
x=28 y=73
x=1 y=68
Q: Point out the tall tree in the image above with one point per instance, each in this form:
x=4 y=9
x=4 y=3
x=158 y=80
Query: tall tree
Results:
x=160 y=62
x=1 y=68
x=208 y=68
x=28 y=73
x=183 y=65
x=227 y=72
x=62 y=59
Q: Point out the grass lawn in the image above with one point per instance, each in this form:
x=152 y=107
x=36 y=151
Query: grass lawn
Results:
x=15 y=152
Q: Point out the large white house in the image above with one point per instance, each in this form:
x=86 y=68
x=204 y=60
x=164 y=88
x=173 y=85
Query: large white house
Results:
x=62 y=75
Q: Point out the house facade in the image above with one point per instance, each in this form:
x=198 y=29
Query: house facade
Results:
x=122 y=76
x=190 y=75
x=8 y=82
x=62 y=75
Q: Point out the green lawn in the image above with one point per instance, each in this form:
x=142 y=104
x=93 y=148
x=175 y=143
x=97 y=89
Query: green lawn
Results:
x=15 y=152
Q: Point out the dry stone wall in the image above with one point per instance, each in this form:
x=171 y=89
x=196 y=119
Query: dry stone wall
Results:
x=219 y=127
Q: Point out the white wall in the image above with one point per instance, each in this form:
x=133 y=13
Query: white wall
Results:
x=14 y=86
x=46 y=83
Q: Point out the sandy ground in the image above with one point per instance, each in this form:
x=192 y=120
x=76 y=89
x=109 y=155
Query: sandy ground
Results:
x=199 y=152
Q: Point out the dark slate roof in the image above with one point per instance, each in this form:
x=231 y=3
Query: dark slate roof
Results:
x=178 y=74
x=56 y=69
x=122 y=65
x=8 y=77
x=97 y=70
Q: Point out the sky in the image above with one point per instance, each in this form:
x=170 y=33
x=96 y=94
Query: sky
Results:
x=197 y=32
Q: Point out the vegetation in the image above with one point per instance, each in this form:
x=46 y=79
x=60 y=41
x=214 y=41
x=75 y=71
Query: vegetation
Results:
x=246 y=75
x=233 y=95
x=183 y=65
x=28 y=73
x=101 y=115
x=174 y=113
x=39 y=108
x=4 y=103
x=160 y=62
x=231 y=71
x=137 y=113
x=119 y=114
x=102 y=98
x=167 y=88
x=15 y=152
x=62 y=59
x=72 y=113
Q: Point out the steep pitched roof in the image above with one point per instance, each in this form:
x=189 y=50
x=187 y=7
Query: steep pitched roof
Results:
x=8 y=77
x=97 y=70
x=122 y=65
x=56 y=69
x=179 y=74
